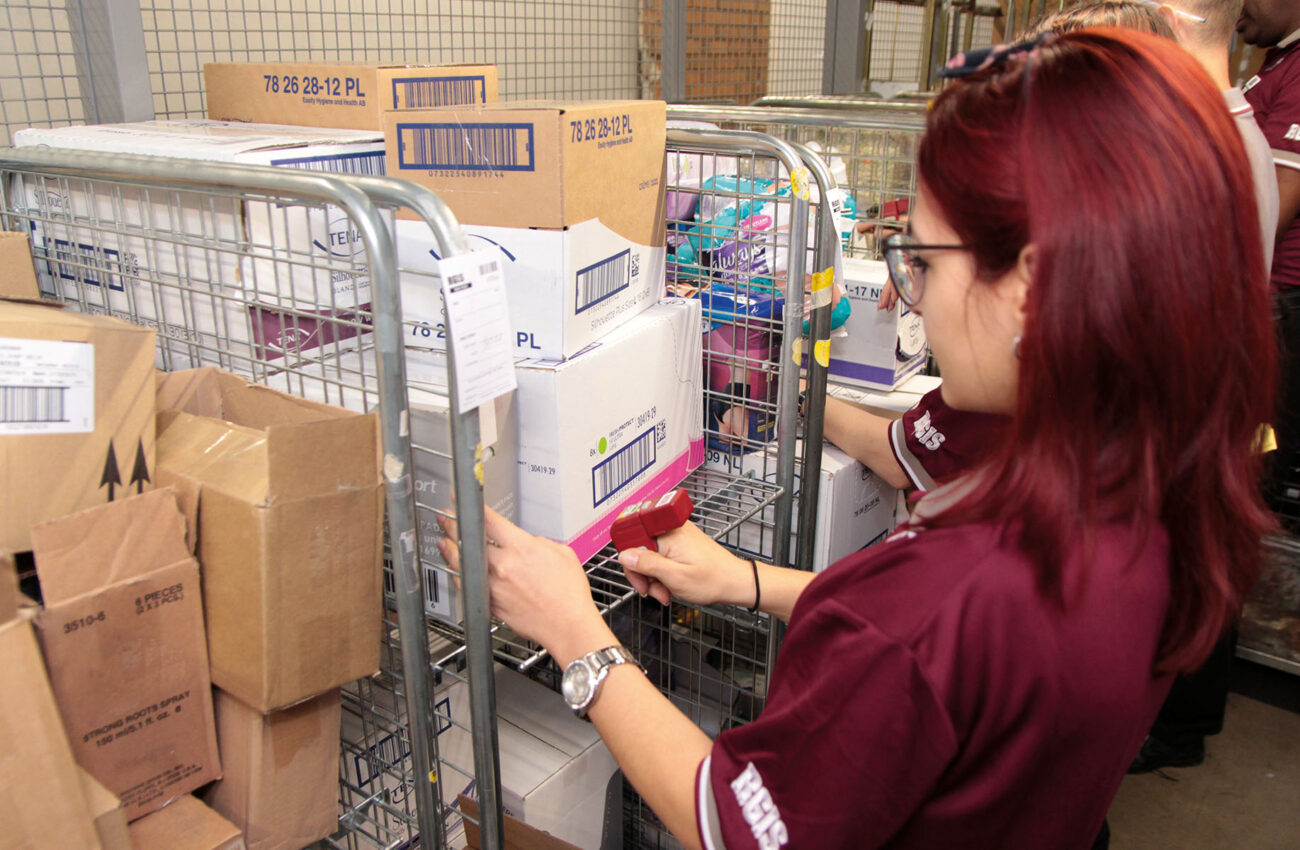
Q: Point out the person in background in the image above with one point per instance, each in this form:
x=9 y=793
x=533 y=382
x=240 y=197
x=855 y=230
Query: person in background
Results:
x=984 y=677
x=1197 y=702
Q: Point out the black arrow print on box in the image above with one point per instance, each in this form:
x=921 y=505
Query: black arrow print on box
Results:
x=111 y=476
x=140 y=474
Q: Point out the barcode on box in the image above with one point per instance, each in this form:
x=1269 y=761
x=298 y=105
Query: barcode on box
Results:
x=611 y=474
x=369 y=164
x=601 y=280
x=33 y=404
x=421 y=93
x=88 y=264
x=465 y=147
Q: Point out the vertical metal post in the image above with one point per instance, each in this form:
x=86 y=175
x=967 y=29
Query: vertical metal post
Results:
x=672 y=55
x=108 y=36
x=936 y=37
x=845 y=43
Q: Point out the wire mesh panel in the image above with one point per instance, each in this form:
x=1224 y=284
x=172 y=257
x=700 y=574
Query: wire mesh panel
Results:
x=798 y=46
x=38 y=67
x=875 y=143
x=544 y=50
x=896 y=47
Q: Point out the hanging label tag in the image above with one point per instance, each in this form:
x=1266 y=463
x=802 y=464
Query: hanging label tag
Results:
x=474 y=291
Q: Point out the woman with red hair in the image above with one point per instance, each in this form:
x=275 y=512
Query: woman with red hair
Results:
x=984 y=677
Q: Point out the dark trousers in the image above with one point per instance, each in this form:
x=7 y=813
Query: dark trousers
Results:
x=1197 y=701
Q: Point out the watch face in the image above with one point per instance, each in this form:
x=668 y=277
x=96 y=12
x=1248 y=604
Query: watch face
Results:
x=576 y=684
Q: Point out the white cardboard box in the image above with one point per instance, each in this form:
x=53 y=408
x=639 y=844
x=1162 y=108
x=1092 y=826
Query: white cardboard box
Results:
x=431 y=449
x=855 y=507
x=617 y=423
x=882 y=349
x=566 y=287
x=555 y=769
x=205 y=297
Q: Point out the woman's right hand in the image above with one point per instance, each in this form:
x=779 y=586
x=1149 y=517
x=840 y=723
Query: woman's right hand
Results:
x=690 y=566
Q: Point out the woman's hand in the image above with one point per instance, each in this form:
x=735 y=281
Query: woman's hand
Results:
x=536 y=586
x=690 y=566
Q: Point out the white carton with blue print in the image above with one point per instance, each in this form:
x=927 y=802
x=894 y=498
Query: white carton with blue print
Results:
x=615 y=424
x=267 y=271
x=571 y=193
x=881 y=348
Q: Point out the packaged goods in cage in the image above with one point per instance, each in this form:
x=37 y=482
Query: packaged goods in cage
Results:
x=333 y=95
x=229 y=279
x=881 y=348
x=567 y=287
x=588 y=447
x=572 y=195
x=741 y=342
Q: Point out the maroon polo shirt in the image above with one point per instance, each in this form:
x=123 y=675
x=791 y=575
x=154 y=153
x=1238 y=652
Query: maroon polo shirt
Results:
x=934 y=443
x=927 y=697
x=1274 y=94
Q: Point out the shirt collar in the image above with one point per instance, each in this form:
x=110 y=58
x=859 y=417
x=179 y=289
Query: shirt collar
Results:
x=1290 y=39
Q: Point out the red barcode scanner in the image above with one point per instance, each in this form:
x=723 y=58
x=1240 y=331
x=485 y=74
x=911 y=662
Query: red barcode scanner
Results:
x=640 y=524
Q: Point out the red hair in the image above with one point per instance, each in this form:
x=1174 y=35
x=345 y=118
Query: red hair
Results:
x=1147 y=358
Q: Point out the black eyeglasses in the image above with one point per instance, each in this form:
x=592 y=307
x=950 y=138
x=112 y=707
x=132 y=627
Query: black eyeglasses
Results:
x=907 y=267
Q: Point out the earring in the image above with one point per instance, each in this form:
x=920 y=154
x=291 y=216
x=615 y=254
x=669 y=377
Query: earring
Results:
x=1015 y=346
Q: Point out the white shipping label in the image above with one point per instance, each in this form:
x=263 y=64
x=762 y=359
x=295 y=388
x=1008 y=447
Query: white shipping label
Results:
x=478 y=319
x=46 y=387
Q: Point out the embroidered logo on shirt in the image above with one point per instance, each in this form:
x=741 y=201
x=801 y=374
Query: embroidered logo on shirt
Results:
x=1250 y=84
x=1293 y=133
x=926 y=434
x=759 y=809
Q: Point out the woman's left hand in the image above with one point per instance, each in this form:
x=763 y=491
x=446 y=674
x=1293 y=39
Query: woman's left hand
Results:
x=535 y=585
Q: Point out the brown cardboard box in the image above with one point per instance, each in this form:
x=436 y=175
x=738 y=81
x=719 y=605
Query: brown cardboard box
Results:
x=539 y=164
x=41 y=801
x=122 y=632
x=280 y=783
x=290 y=533
x=186 y=824
x=81 y=432
x=340 y=96
x=518 y=835
x=107 y=812
x=17 y=274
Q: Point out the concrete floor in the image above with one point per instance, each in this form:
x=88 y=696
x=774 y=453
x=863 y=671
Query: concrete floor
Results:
x=1245 y=795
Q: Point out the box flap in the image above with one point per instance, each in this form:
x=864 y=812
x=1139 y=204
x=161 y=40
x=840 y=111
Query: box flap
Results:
x=17 y=274
x=315 y=456
x=195 y=391
x=518 y=835
x=8 y=588
x=100 y=546
x=186 y=822
x=218 y=454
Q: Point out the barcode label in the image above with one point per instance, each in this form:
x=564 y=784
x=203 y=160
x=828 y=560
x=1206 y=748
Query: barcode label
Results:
x=465 y=147
x=421 y=93
x=88 y=264
x=33 y=404
x=611 y=474
x=602 y=280
x=46 y=387
x=366 y=164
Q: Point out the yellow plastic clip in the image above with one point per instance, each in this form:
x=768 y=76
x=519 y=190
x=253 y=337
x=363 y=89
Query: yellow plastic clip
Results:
x=799 y=183
x=823 y=284
x=478 y=464
x=796 y=351
x=822 y=352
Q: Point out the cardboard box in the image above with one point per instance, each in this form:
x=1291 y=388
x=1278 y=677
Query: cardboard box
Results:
x=186 y=824
x=76 y=424
x=17 y=276
x=41 y=799
x=616 y=424
x=280 y=771
x=122 y=633
x=566 y=287
x=539 y=163
x=107 y=812
x=429 y=410
x=554 y=767
x=855 y=507
x=517 y=834
x=290 y=533
x=329 y=95
x=882 y=349
x=214 y=307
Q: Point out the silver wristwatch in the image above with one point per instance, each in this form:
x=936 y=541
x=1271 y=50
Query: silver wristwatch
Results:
x=584 y=676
